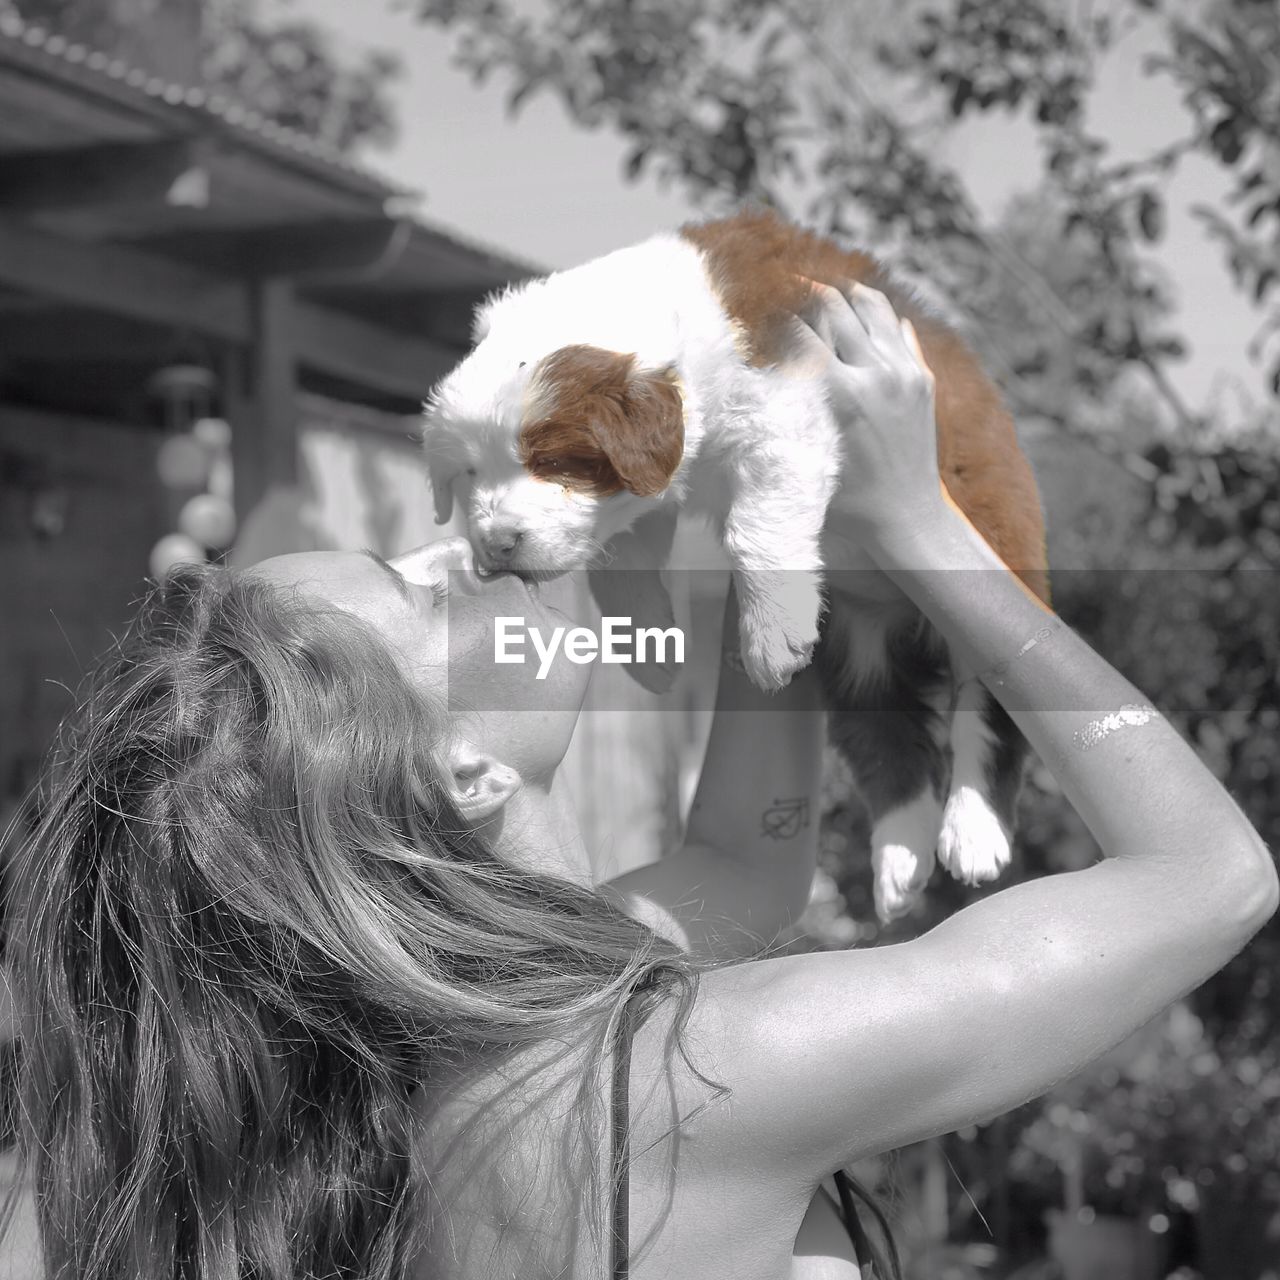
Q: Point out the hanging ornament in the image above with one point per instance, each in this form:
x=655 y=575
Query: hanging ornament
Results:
x=213 y=434
x=172 y=550
x=185 y=392
x=209 y=520
x=182 y=463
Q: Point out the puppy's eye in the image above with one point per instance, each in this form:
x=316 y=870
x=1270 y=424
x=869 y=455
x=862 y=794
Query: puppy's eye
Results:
x=470 y=471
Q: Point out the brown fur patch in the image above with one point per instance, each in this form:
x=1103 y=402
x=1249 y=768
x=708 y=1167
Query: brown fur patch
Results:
x=599 y=424
x=753 y=260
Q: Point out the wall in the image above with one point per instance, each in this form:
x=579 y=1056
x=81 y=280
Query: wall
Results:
x=64 y=591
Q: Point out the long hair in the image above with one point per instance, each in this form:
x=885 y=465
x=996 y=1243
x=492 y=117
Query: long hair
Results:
x=248 y=922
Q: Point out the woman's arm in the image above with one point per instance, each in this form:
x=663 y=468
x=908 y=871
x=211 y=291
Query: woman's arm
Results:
x=746 y=866
x=838 y=1055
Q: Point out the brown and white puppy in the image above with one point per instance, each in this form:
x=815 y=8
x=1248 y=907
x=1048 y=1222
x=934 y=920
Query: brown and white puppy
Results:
x=600 y=400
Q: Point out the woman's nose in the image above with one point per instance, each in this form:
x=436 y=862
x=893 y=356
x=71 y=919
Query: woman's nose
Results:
x=434 y=558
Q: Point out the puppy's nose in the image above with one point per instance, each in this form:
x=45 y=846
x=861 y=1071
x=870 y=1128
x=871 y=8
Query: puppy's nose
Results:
x=500 y=543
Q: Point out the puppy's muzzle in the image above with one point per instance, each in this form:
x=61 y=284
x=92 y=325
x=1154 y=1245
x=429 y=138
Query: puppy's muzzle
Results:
x=499 y=546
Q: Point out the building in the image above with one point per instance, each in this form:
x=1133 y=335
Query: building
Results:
x=164 y=255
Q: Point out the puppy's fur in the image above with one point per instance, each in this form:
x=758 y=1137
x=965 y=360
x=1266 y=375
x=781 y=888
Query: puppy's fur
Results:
x=601 y=399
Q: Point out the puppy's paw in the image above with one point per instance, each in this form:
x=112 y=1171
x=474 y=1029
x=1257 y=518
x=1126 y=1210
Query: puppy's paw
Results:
x=772 y=658
x=900 y=875
x=973 y=845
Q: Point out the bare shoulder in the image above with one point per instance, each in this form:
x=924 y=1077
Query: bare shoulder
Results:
x=833 y=1056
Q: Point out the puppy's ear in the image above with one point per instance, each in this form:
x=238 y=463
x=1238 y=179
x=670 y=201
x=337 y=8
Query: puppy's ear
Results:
x=441 y=492
x=644 y=437
x=441 y=453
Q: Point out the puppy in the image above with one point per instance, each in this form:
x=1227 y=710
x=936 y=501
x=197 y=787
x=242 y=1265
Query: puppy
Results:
x=600 y=400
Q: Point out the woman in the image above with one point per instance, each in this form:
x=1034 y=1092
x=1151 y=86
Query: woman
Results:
x=315 y=980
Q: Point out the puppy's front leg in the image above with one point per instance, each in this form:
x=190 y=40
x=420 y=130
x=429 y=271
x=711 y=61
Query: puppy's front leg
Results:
x=628 y=584
x=772 y=536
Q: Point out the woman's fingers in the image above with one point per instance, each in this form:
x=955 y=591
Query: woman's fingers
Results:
x=913 y=342
x=829 y=314
x=861 y=327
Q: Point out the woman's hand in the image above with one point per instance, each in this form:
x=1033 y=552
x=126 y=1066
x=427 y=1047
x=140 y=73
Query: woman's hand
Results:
x=881 y=392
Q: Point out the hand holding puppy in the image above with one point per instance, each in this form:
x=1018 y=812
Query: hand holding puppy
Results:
x=881 y=392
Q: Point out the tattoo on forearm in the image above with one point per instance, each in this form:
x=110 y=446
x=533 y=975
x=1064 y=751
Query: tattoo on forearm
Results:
x=997 y=673
x=785 y=819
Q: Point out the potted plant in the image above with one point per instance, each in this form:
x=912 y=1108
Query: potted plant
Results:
x=1167 y=1123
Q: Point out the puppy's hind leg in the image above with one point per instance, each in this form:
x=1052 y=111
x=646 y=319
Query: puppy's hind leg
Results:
x=988 y=755
x=888 y=687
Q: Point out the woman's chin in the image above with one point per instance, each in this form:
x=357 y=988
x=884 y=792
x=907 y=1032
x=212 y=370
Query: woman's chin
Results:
x=561 y=593
x=539 y=576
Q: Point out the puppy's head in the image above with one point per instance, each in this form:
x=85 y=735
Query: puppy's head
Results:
x=552 y=459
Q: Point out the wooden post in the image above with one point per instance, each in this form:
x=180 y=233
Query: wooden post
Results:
x=261 y=398
x=276 y=378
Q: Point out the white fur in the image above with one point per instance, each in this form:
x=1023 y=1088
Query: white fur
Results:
x=761 y=449
x=902 y=857
x=972 y=845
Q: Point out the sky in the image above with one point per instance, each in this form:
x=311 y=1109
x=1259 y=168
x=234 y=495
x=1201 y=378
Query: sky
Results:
x=549 y=192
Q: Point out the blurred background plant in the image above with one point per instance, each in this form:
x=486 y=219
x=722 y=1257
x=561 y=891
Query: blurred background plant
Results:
x=289 y=70
x=1164 y=517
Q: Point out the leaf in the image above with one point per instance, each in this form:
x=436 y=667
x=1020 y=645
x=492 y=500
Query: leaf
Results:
x=1225 y=139
x=1151 y=215
x=1255 y=214
x=635 y=162
x=516 y=99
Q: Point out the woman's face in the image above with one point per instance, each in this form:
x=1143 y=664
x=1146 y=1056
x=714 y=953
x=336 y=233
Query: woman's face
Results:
x=441 y=619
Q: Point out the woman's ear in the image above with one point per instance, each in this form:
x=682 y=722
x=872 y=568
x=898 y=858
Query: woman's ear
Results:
x=479 y=784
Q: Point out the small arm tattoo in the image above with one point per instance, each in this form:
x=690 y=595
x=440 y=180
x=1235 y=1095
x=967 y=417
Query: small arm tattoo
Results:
x=785 y=819
x=997 y=673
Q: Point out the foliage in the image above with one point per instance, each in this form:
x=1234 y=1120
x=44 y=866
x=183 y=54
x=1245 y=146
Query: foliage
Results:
x=1157 y=1125
x=794 y=103
x=288 y=70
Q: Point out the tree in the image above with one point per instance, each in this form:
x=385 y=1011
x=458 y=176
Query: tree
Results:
x=832 y=112
x=836 y=112
x=286 y=69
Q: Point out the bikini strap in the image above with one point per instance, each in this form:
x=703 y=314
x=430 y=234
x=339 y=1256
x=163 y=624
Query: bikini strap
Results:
x=620 y=1146
x=620 y=1165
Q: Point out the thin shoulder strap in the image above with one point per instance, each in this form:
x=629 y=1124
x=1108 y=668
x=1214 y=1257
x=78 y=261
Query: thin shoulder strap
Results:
x=620 y=1166
x=857 y=1233
x=620 y=1146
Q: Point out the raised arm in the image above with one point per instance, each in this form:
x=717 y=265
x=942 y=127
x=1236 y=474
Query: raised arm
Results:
x=745 y=869
x=838 y=1055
